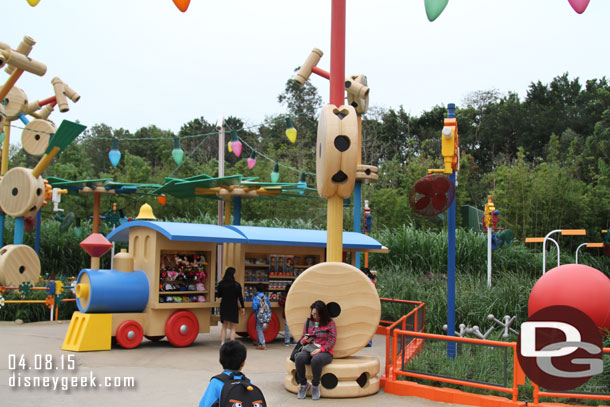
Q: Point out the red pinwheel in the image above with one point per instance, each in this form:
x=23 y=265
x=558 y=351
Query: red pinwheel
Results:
x=432 y=195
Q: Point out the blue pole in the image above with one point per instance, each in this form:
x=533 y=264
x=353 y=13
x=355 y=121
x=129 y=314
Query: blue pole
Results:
x=23 y=119
x=237 y=210
x=357 y=214
x=18 y=239
x=451 y=346
x=38 y=226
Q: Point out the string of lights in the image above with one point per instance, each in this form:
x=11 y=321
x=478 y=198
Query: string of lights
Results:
x=235 y=145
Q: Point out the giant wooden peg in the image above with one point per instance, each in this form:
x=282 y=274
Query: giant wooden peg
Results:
x=311 y=61
x=24 y=48
x=36 y=135
x=337 y=151
x=60 y=96
x=21 y=194
x=16 y=60
x=70 y=93
x=357 y=93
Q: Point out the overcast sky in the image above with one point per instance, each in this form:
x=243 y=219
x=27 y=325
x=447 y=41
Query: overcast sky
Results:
x=143 y=62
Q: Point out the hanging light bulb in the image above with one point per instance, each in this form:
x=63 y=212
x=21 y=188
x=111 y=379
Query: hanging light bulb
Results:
x=177 y=152
x=229 y=147
x=275 y=175
x=235 y=144
x=291 y=132
x=302 y=184
x=114 y=155
x=434 y=8
x=252 y=160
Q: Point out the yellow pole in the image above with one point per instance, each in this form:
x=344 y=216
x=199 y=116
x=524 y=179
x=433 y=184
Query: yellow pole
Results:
x=334 y=213
x=5 y=146
x=227 y=212
x=44 y=162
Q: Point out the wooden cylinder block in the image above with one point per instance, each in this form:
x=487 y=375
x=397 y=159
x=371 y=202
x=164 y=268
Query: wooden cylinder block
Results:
x=354 y=376
x=17 y=102
x=17 y=60
x=305 y=70
x=71 y=93
x=350 y=296
x=36 y=135
x=357 y=93
x=20 y=193
x=60 y=97
x=367 y=173
x=337 y=151
x=25 y=47
x=18 y=264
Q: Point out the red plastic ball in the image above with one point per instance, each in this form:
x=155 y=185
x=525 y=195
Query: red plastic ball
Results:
x=576 y=285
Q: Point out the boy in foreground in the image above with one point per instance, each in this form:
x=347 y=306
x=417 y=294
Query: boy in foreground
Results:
x=238 y=387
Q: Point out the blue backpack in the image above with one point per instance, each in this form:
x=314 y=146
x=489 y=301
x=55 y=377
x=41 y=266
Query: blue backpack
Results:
x=263 y=315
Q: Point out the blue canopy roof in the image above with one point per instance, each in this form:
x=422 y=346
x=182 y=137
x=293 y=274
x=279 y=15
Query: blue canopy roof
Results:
x=303 y=237
x=180 y=232
x=193 y=232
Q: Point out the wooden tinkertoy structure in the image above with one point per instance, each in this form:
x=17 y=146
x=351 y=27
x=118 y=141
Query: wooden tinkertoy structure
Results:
x=351 y=297
x=23 y=191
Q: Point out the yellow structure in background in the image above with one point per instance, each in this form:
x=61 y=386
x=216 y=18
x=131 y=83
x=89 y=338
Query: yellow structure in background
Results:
x=450 y=148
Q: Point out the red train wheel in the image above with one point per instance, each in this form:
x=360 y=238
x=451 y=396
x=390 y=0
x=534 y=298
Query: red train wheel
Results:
x=154 y=338
x=270 y=333
x=181 y=328
x=129 y=334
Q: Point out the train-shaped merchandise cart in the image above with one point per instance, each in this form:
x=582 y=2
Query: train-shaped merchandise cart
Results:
x=163 y=286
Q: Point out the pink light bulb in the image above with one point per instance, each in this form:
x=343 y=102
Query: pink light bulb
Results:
x=236 y=147
x=579 y=5
x=251 y=163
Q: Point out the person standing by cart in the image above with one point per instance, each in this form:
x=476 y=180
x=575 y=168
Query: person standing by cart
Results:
x=232 y=301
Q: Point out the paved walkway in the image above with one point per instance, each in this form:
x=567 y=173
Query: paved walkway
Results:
x=164 y=376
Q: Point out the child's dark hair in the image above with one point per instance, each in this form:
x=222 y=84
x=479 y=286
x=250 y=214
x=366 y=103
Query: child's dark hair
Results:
x=232 y=355
x=261 y=288
x=320 y=306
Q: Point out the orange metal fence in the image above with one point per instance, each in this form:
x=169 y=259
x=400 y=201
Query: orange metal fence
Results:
x=405 y=339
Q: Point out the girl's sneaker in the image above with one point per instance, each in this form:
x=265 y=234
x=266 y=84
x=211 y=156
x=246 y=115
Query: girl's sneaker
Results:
x=303 y=390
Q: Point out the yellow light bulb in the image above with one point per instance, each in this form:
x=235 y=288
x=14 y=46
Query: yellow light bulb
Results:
x=291 y=133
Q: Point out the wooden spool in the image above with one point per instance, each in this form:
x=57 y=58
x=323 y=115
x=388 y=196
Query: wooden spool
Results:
x=20 y=193
x=17 y=103
x=367 y=173
x=355 y=299
x=18 y=264
x=36 y=135
x=354 y=376
x=357 y=93
x=337 y=151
